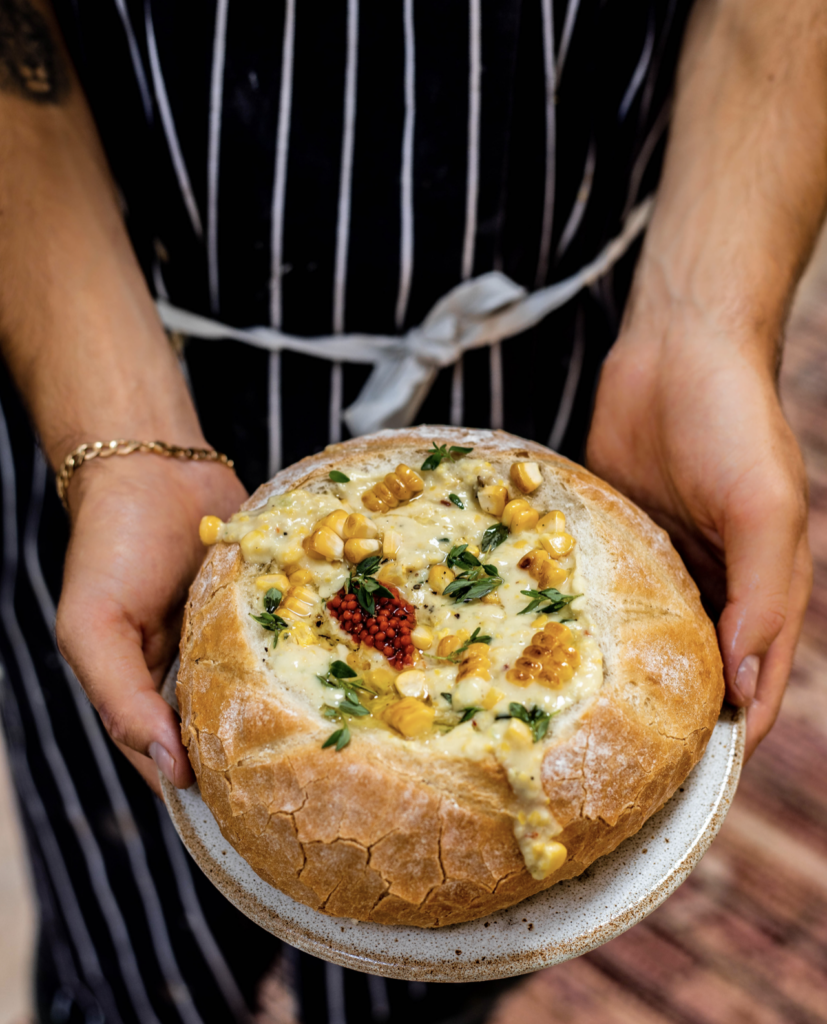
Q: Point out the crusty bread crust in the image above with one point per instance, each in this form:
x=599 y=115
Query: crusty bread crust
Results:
x=391 y=832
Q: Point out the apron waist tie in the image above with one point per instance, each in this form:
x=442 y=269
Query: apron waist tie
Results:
x=476 y=313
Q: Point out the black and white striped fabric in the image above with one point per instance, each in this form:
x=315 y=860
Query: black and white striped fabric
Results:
x=318 y=170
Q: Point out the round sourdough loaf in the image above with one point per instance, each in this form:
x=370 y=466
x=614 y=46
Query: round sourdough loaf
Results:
x=390 y=830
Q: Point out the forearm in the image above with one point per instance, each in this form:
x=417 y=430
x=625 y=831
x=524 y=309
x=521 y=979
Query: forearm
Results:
x=745 y=177
x=78 y=327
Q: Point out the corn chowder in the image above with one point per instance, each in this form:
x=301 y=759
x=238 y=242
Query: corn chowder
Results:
x=436 y=604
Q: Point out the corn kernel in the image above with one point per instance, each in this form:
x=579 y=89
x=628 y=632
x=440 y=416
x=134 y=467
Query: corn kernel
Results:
x=251 y=544
x=301 y=576
x=524 y=519
x=373 y=502
x=493 y=499
x=391 y=576
x=510 y=510
x=412 y=683
x=357 y=550
x=492 y=698
x=273 y=579
x=397 y=488
x=557 y=544
x=301 y=634
x=292 y=556
x=518 y=735
x=493 y=597
x=548 y=857
x=527 y=476
x=422 y=638
x=381 y=678
x=439 y=577
x=541 y=620
x=552 y=522
x=409 y=716
x=324 y=543
x=359 y=526
x=335 y=521
x=391 y=543
x=208 y=529
x=300 y=601
x=551 y=574
x=449 y=644
x=384 y=493
x=410 y=478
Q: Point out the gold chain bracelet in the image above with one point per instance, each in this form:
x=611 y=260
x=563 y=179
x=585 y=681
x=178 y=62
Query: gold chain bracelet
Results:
x=103 y=449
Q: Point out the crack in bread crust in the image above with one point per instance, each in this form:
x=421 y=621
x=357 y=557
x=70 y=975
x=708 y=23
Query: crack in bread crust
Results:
x=389 y=832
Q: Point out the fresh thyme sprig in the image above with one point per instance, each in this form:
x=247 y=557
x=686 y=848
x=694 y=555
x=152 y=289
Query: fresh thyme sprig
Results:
x=557 y=601
x=341 y=676
x=493 y=537
x=441 y=452
x=454 y=656
x=474 y=583
x=364 y=586
x=536 y=719
x=274 y=623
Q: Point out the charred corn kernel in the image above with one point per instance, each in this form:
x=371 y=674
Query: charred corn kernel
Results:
x=357 y=550
x=548 y=858
x=273 y=579
x=410 y=478
x=422 y=638
x=391 y=542
x=374 y=503
x=527 y=476
x=324 y=543
x=359 y=526
x=300 y=601
x=492 y=598
x=381 y=678
x=519 y=677
x=208 y=529
x=301 y=576
x=492 y=698
x=252 y=544
x=381 y=490
x=524 y=519
x=335 y=521
x=552 y=522
x=439 y=577
x=551 y=574
x=557 y=544
x=517 y=505
x=409 y=716
x=493 y=499
x=518 y=735
x=397 y=488
x=475 y=661
x=412 y=683
x=476 y=651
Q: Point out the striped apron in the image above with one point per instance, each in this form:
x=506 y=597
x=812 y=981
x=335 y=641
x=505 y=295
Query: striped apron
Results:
x=320 y=174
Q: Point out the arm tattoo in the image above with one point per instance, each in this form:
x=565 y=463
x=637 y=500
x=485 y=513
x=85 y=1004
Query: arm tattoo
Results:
x=30 y=63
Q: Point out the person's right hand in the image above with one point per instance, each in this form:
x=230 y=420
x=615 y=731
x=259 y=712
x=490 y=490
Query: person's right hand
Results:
x=133 y=553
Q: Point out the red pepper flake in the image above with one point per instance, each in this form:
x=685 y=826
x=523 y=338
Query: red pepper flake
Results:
x=389 y=631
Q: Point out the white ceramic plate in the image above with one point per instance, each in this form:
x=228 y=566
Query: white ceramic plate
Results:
x=569 y=919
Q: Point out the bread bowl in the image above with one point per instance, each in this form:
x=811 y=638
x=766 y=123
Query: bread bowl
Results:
x=464 y=812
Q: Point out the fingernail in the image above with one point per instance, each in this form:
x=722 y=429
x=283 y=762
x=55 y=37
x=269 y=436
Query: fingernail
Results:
x=164 y=760
x=746 y=678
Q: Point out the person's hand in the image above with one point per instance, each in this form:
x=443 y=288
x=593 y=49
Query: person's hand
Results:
x=692 y=430
x=133 y=553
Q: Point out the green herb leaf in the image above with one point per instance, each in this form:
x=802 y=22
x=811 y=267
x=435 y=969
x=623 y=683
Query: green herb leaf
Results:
x=493 y=537
x=441 y=452
x=557 y=601
x=338 y=478
x=275 y=623
x=454 y=656
x=448 y=697
x=330 y=712
x=473 y=584
x=341 y=670
x=340 y=738
x=459 y=557
x=469 y=714
x=454 y=499
x=349 y=708
x=536 y=719
x=363 y=585
x=272 y=599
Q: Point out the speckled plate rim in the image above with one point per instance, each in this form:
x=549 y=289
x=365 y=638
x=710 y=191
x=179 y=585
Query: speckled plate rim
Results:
x=571 y=918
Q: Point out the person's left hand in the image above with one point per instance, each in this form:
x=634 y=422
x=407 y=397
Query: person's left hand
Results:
x=692 y=430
